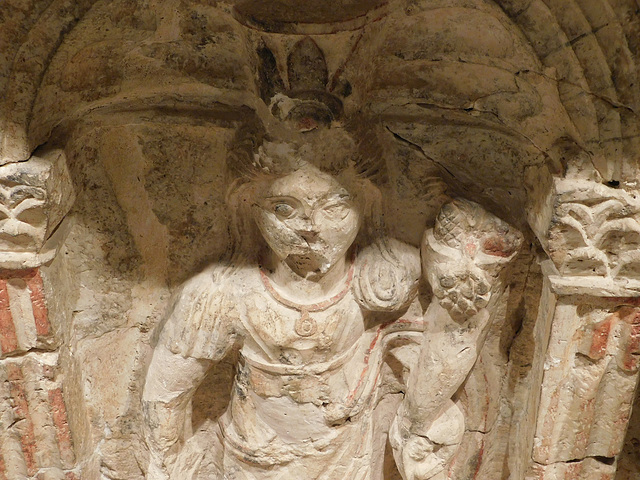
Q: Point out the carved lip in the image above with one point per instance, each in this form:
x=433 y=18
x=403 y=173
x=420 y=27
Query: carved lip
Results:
x=308 y=17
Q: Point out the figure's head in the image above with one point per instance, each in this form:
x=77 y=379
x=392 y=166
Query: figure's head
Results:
x=308 y=219
x=310 y=195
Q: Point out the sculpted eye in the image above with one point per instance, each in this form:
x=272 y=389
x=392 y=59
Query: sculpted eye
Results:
x=336 y=211
x=283 y=210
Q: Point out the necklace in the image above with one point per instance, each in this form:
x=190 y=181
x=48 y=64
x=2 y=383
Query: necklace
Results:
x=306 y=326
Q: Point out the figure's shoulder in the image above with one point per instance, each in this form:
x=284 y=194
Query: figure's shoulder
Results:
x=391 y=254
x=205 y=313
x=387 y=275
x=204 y=280
x=407 y=255
x=220 y=281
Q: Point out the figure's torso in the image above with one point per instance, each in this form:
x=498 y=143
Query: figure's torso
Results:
x=273 y=333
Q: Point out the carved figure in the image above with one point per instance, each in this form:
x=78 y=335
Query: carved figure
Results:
x=323 y=310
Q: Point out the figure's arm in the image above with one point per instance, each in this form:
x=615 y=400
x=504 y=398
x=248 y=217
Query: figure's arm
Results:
x=170 y=385
x=448 y=352
x=199 y=331
x=462 y=259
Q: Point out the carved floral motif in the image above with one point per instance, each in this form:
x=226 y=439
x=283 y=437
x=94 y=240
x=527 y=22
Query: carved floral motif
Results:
x=595 y=230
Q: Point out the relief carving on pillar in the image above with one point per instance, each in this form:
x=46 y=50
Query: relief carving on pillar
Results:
x=590 y=379
x=596 y=231
x=35 y=437
x=591 y=363
x=594 y=234
x=34 y=198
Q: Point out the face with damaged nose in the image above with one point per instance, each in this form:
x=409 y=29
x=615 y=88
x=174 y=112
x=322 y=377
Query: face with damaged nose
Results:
x=308 y=219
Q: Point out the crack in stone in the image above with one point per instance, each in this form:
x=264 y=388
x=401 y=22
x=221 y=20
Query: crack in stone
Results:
x=610 y=101
x=501 y=122
x=419 y=149
x=598 y=458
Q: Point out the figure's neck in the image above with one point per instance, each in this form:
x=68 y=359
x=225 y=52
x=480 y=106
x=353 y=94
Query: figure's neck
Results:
x=308 y=286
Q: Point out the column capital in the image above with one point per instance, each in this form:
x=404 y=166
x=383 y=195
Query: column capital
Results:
x=35 y=195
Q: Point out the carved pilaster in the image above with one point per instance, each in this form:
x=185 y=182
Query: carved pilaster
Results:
x=594 y=239
x=35 y=441
x=590 y=368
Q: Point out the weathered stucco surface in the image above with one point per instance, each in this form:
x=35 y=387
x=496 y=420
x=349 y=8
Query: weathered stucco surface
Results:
x=489 y=150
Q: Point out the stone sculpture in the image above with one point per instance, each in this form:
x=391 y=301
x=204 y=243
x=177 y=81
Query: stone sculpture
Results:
x=317 y=308
x=455 y=353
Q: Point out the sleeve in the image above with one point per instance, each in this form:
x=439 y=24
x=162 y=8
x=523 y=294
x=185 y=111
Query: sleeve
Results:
x=387 y=276
x=201 y=322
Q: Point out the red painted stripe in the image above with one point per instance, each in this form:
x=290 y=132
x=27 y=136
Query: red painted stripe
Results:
x=8 y=337
x=67 y=476
x=351 y=399
x=600 y=338
x=21 y=408
x=3 y=469
x=23 y=274
x=479 y=459
x=59 y=414
x=36 y=291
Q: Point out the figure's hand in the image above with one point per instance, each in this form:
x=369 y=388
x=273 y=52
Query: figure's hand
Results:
x=169 y=386
x=426 y=456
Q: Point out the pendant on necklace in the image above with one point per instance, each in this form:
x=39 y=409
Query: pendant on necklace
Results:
x=305 y=326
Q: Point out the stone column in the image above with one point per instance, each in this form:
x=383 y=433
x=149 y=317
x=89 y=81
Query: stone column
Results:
x=35 y=441
x=590 y=314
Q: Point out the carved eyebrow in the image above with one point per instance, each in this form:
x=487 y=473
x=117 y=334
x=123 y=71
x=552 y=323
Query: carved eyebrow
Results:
x=275 y=198
x=342 y=195
x=283 y=198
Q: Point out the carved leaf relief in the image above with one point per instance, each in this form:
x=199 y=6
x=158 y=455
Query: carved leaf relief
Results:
x=595 y=231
